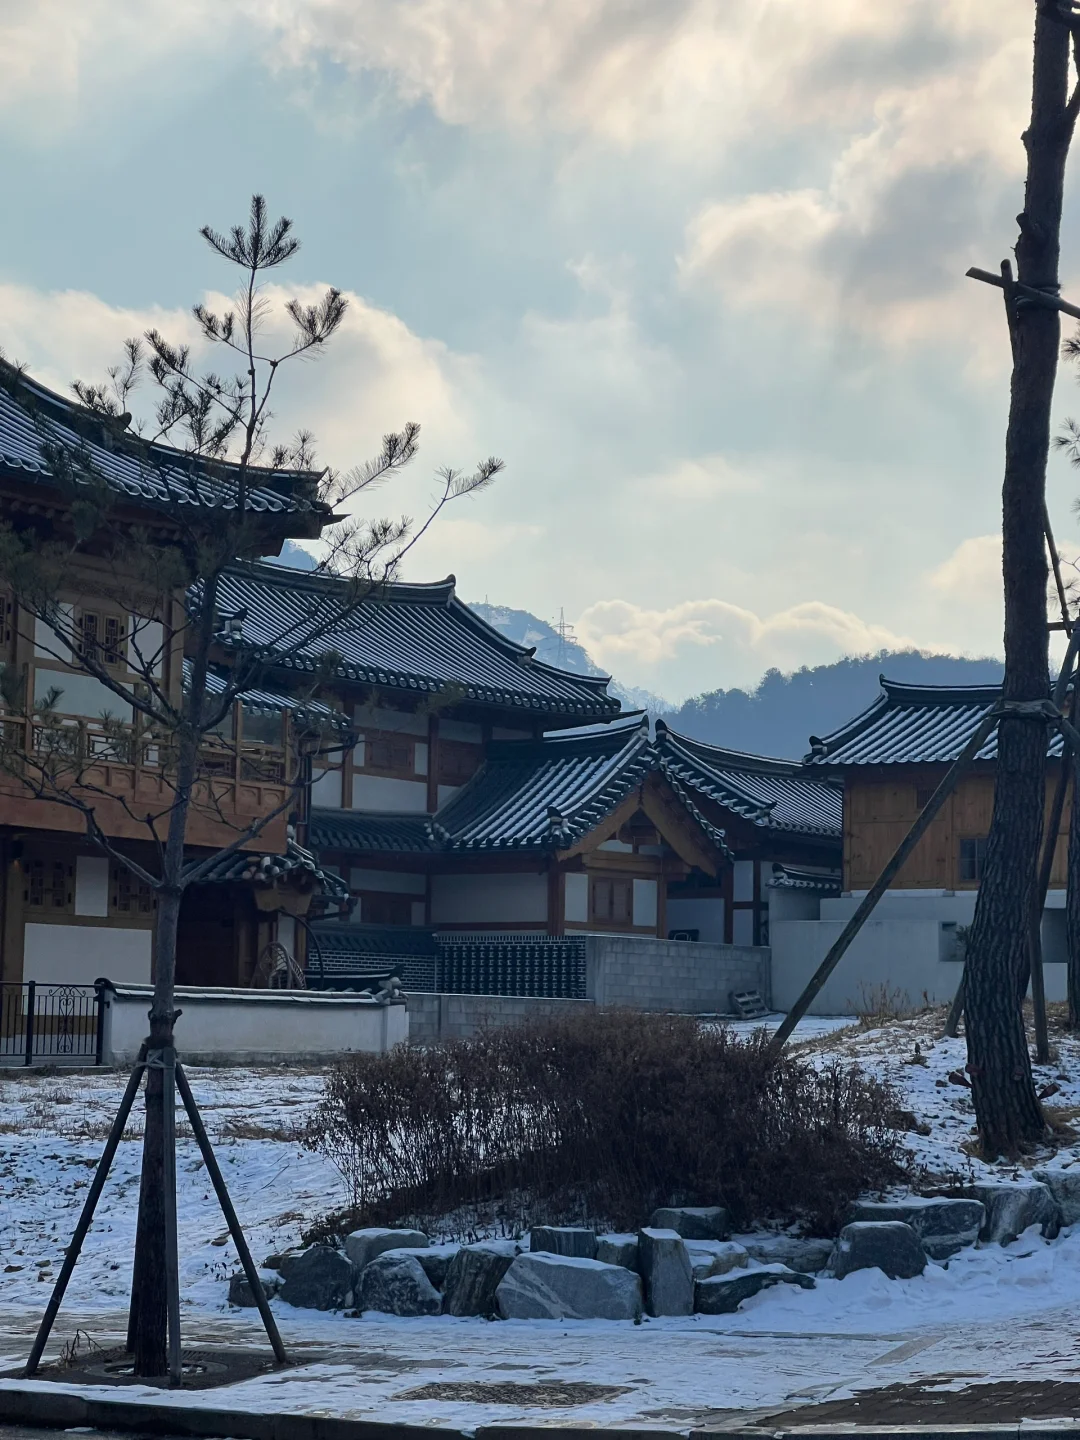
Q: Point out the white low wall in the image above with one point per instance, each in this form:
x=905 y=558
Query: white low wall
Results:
x=914 y=961
x=254 y=1027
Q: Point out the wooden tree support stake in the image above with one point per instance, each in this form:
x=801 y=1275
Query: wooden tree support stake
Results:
x=93 y=1195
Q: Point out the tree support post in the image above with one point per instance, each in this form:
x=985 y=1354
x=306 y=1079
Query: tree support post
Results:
x=93 y=1195
x=982 y=733
x=231 y=1220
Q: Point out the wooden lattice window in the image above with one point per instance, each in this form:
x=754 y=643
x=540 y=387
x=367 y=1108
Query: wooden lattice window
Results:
x=102 y=637
x=972 y=859
x=129 y=895
x=389 y=754
x=49 y=885
x=612 y=900
x=458 y=762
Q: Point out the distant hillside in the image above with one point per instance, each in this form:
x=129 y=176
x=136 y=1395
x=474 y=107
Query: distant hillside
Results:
x=777 y=717
x=563 y=651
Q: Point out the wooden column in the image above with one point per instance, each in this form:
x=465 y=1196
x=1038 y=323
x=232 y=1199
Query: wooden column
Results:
x=432 y=767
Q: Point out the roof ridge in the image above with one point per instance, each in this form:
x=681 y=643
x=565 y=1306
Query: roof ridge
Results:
x=74 y=414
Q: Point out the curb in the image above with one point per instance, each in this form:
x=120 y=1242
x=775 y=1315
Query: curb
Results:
x=51 y=1409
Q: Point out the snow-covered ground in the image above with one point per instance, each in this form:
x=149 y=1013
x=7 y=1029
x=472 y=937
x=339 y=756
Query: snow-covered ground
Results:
x=992 y=1313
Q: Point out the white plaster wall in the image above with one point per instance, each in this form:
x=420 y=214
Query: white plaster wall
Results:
x=489 y=899
x=326 y=790
x=705 y=916
x=743 y=880
x=393 y=882
x=445 y=793
x=403 y=722
x=383 y=792
x=576 y=899
x=645 y=903
x=908 y=946
x=792 y=905
x=742 y=927
x=247 y=1026
x=81 y=954
x=91 y=885
x=461 y=730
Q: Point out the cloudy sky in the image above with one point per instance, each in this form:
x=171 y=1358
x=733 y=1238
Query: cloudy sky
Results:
x=693 y=268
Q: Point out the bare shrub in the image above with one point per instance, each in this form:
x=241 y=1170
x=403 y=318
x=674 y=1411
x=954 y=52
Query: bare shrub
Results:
x=603 y=1117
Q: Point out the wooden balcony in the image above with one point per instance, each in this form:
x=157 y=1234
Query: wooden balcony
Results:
x=124 y=772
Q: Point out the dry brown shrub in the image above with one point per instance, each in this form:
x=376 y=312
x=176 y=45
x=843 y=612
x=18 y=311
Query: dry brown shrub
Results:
x=603 y=1117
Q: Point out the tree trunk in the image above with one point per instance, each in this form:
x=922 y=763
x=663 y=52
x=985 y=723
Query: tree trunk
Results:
x=1003 y=1092
x=1072 y=899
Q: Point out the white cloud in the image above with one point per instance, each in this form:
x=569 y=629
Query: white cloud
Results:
x=971 y=575
x=701 y=644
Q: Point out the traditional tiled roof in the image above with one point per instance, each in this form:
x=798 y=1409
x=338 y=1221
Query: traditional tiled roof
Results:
x=913 y=725
x=790 y=877
x=359 y=831
x=265 y=870
x=153 y=475
x=538 y=795
x=268 y=701
x=773 y=794
x=408 y=637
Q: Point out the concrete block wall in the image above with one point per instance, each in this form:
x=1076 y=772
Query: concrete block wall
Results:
x=459 y=1017
x=687 y=976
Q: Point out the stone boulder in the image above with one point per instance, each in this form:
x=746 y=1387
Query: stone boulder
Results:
x=665 y=1268
x=319 y=1279
x=363 y=1245
x=1014 y=1205
x=541 y=1285
x=564 y=1240
x=887 y=1245
x=395 y=1283
x=1064 y=1186
x=723 y=1294
x=240 y=1292
x=474 y=1275
x=715 y=1257
x=806 y=1254
x=617 y=1250
x=434 y=1261
x=943 y=1225
x=693 y=1222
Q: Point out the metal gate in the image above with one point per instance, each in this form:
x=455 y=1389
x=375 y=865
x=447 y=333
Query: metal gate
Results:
x=41 y=1022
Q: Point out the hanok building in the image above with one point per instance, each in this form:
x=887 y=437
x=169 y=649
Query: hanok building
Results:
x=889 y=760
x=68 y=913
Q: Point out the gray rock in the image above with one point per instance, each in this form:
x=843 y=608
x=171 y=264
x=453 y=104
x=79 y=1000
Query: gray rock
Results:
x=715 y=1257
x=723 y=1294
x=806 y=1254
x=474 y=1276
x=693 y=1222
x=281 y=1262
x=545 y=1286
x=618 y=1250
x=564 y=1240
x=1013 y=1205
x=319 y=1279
x=887 y=1245
x=395 y=1283
x=943 y=1225
x=240 y=1292
x=666 y=1271
x=1064 y=1186
x=434 y=1261
x=363 y=1245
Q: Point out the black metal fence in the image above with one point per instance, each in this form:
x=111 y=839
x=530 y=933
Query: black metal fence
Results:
x=42 y=1022
x=534 y=965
